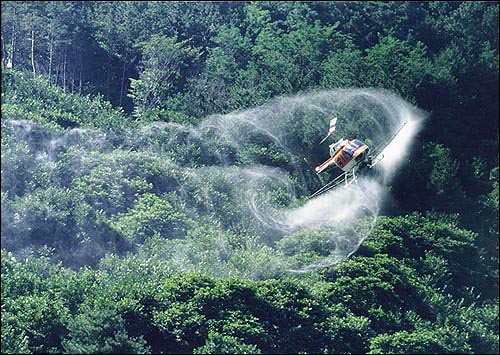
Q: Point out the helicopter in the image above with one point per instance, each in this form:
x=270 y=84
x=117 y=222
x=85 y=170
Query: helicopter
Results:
x=350 y=156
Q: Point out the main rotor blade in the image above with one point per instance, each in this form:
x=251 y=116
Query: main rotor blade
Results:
x=333 y=124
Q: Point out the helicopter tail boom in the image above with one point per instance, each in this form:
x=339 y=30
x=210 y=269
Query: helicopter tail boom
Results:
x=325 y=165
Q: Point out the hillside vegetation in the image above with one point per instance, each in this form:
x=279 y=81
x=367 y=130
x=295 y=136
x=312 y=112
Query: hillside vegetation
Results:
x=152 y=151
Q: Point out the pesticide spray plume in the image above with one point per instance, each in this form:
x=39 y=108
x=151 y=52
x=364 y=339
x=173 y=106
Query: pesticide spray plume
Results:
x=260 y=162
x=375 y=115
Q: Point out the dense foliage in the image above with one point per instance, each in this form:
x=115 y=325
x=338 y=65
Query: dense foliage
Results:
x=109 y=247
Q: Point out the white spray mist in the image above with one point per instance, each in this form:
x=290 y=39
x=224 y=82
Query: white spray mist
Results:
x=377 y=116
x=229 y=155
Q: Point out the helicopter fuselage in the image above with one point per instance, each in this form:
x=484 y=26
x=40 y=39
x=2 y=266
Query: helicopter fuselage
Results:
x=345 y=154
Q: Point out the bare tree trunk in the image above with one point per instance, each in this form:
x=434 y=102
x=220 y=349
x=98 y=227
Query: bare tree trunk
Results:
x=51 y=50
x=33 y=51
x=64 y=73
x=81 y=72
x=56 y=74
x=5 y=55
x=108 y=78
x=73 y=73
x=10 y=60
x=123 y=81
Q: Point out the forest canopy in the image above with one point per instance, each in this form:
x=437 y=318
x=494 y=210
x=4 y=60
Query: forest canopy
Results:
x=152 y=153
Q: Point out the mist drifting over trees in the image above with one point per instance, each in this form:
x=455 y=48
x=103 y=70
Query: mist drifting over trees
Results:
x=158 y=158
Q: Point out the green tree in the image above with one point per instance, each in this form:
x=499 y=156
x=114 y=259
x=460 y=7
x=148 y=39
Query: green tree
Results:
x=151 y=214
x=218 y=88
x=383 y=293
x=440 y=341
x=348 y=333
x=396 y=65
x=101 y=331
x=162 y=60
x=431 y=180
x=225 y=344
x=435 y=245
x=343 y=68
x=34 y=318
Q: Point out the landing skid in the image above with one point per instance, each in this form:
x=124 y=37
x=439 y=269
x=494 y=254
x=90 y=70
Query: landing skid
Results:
x=345 y=179
x=348 y=177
